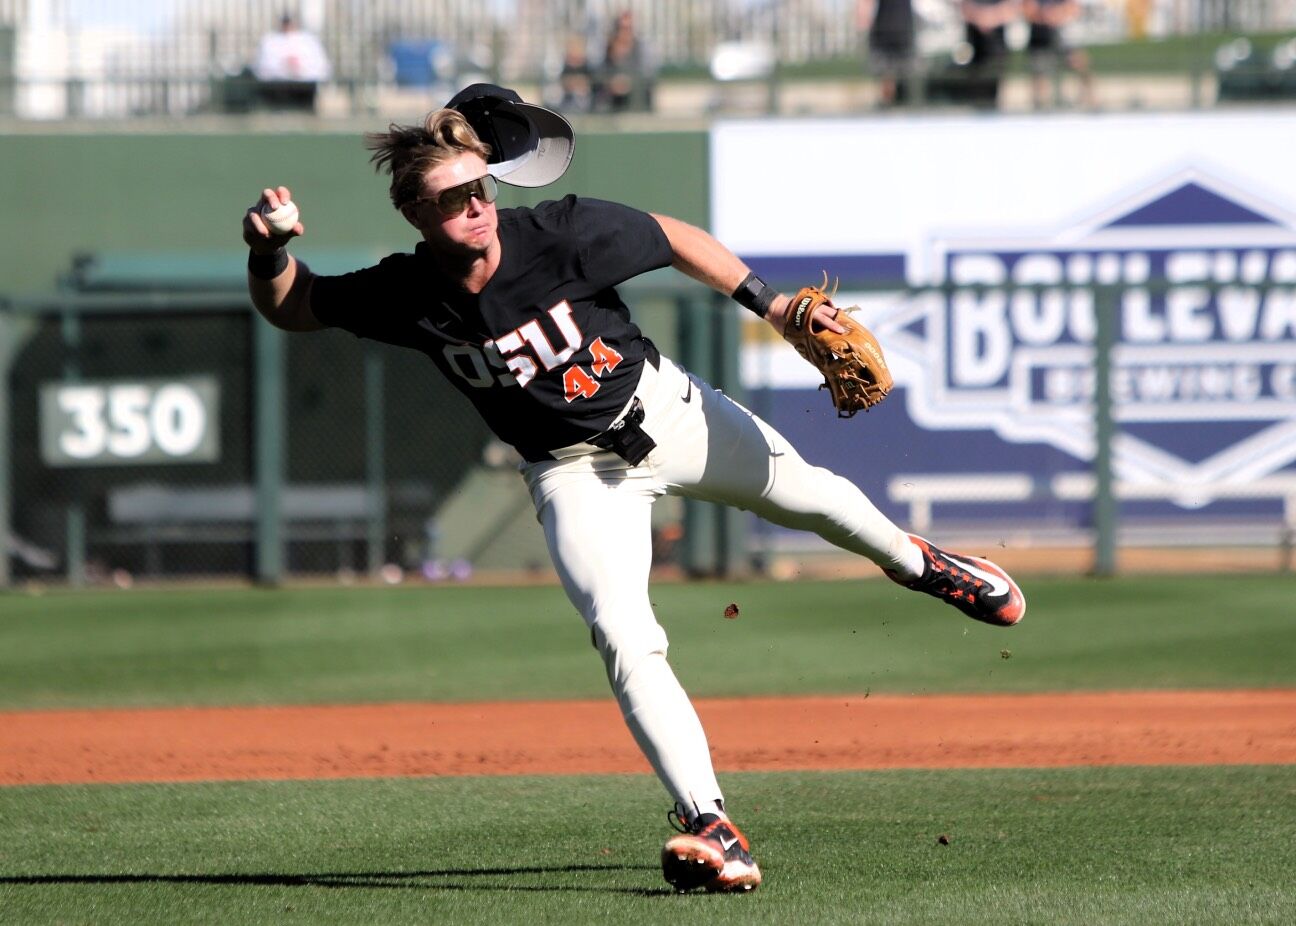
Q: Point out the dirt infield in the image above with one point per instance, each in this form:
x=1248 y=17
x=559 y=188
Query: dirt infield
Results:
x=569 y=737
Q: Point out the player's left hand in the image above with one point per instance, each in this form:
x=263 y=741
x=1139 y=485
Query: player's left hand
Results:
x=824 y=315
x=845 y=352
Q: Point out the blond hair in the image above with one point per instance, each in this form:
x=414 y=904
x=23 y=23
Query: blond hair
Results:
x=408 y=152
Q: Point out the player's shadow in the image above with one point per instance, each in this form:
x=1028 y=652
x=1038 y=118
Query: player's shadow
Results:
x=508 y=879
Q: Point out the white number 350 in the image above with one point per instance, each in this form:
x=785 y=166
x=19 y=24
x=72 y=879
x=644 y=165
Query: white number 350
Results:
x=129 y=420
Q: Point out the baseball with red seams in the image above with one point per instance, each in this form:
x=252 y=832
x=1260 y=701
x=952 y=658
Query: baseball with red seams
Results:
x=280 y=221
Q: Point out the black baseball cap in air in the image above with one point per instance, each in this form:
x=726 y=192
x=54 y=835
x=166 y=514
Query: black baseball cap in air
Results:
x=530 y=145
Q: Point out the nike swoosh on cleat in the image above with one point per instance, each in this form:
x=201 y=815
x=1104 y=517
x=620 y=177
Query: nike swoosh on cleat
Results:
x=727 y=844
x=998 y=584
x=688 y=394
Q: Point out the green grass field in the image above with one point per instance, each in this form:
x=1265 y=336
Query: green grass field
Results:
x=1108 y=845
x=244 y=646
x=1131 y=846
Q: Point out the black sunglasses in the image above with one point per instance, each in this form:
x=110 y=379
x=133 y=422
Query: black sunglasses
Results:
x=454 y=200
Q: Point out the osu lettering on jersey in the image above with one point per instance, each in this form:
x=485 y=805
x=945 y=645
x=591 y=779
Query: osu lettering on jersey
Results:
x=546 y=351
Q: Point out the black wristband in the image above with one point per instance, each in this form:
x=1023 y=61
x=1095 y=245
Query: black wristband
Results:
x=755 y=294
x=267 y=266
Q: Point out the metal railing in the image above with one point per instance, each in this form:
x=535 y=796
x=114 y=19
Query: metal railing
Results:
x=124 y=58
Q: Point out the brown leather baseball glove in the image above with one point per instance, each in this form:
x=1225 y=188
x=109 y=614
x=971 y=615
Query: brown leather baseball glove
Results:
x=855 y=371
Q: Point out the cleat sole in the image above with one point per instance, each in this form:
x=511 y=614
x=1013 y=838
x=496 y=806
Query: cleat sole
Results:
x=689 y=863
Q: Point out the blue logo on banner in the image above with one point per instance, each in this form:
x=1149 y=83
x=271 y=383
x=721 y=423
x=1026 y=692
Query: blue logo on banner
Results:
x=1204 y=374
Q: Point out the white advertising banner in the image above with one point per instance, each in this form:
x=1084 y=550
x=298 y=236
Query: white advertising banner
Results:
x=1192 y=216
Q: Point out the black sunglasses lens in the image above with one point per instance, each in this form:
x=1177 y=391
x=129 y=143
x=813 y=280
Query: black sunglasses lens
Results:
x=455 y=200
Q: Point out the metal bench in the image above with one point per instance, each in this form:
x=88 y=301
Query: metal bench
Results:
x=154 y=514
x=921 y=492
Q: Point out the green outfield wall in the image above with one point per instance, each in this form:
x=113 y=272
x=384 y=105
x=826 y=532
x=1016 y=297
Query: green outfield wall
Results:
x=68 y=193
x=165 y=209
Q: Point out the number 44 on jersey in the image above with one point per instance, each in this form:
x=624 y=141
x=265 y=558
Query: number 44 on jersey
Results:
x=527 y=350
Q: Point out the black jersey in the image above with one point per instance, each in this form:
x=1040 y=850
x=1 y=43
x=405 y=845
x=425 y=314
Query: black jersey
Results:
x=546 y=351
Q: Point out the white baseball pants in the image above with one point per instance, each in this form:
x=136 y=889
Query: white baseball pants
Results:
x=595 y=510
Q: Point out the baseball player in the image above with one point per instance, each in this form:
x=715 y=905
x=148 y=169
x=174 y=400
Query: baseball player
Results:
x=518 y=308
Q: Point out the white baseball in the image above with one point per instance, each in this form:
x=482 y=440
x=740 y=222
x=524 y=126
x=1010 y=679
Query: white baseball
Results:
x=282 y=220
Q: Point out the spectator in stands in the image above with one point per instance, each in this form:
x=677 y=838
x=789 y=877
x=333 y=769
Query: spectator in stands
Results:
x=1137 y=13
x=1049 y=50
x=628 y=72
x=889 y=25
x=985 y=31
x=576 y=79
x=290 y=64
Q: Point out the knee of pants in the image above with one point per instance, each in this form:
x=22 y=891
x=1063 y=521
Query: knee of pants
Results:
x=625 y=642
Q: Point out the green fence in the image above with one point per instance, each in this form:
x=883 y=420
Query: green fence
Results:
x=176 y=303
x=323 y=455
x=334 y=457
x=159 y=431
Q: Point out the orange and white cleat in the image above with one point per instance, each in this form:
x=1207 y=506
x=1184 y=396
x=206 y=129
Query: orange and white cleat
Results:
x=975 y=586
x=710 y=852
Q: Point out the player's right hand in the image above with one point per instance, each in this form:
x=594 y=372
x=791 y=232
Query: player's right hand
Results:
x=256 y=234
